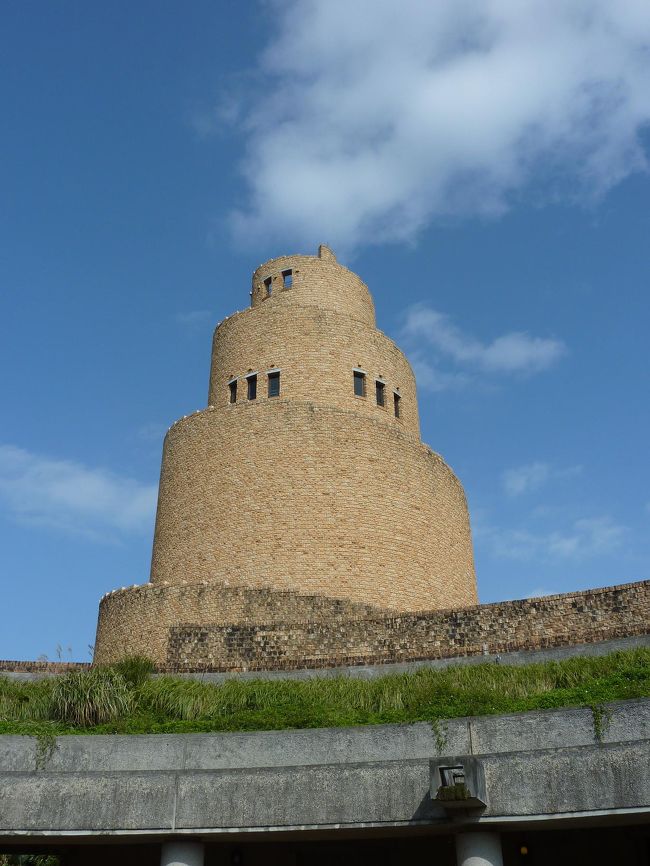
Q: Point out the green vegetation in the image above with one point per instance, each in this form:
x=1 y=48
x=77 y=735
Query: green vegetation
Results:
x=85 y=699
x=126 y=699
x=29 y=860
x=136 y=670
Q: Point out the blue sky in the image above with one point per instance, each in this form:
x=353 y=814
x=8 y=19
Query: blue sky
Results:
x=483 y=167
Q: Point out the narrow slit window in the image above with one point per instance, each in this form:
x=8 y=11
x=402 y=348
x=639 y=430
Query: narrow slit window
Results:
x=287 y=279
x=359 y=383
x=380 y=391
x=252 y=386
x=232 y=391
x=268 y=285
x=396 y=399
x=274 y=384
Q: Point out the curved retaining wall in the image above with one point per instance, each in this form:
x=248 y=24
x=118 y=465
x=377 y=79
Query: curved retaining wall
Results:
x=138 y=620
x=201 y=627
x=303 y=497
x=559 y=620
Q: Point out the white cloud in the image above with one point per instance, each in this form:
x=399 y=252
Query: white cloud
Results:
x=525 y=478
x=516 y=352
x=532 y=476
x=427 y=331
x=193 y=320
x=372 y=118
x=433 y=379
x=584 y=538
x=589 y=537
x=71 y=497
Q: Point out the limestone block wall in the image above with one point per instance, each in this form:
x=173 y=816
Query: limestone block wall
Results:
x=316 y=281
x=312 y=499
x=137 y=620
x=316 y=351
x=317 y=490
x=46 y=668
x=558 y=620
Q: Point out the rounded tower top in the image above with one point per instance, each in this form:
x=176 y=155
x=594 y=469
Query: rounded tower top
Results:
x=313 y=281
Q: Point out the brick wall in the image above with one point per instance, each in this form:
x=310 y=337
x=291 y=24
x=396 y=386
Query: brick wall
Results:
x=303 y=497
x=137 y=620
x=317 y=281
x=42 y=667
x=559 y=620
x=313 y=528
x=316 y=351
x=316 y=491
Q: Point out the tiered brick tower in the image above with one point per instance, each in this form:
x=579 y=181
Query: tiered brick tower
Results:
x=304 y=481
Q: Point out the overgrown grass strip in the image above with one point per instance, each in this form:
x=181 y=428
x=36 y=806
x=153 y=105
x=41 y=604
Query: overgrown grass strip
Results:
x=126 y=699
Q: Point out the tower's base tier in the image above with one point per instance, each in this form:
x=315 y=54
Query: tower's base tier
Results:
x=141 y=620
x=211 y=627
x=315 y=500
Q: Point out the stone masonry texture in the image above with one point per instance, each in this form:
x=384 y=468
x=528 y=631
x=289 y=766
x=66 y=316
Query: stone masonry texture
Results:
x=327 y=501
x=313 y=527
x=138 y=619
x=560 y=620
x=313 y=503
x=237 y=629
x=316 y=491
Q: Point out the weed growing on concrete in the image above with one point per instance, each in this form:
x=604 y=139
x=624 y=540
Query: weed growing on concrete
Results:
x=45 y=747
x=440 y=735
x=602 y=719
x=29 y=860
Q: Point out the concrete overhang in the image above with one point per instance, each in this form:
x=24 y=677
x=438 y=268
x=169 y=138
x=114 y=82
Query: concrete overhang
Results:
x=554 y=766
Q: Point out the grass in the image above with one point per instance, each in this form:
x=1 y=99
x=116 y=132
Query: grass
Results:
x=126 y=699
x=85 y=699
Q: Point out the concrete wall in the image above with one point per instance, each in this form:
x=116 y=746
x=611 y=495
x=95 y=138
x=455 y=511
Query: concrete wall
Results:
x=537 y=765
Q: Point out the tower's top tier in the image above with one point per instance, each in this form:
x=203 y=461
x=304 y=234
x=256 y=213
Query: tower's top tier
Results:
x=313 y=281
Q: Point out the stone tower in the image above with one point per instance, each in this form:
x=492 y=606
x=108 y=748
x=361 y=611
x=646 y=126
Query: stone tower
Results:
x=305 y=474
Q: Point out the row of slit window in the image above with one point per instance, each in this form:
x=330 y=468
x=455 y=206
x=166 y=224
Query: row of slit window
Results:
x=360 y=390
x=273 y=388
x=273 y=384
x=287 y=281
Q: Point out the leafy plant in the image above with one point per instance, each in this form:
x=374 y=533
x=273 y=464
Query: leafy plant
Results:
x=602 y=718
